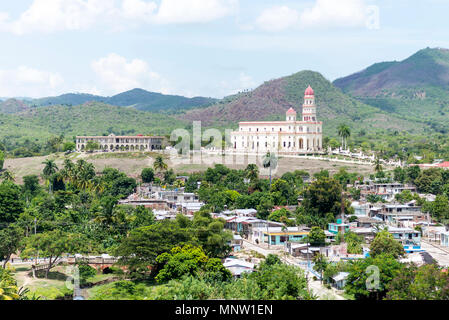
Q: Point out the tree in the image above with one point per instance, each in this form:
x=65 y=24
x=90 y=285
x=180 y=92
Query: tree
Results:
x=385 y=244
x=280 y=282
x=400 y=175
x=10 y=239
x=92 y=146
x=428 y=282
x=181 y=261
x=169 y=177
x=69 y=146
x=322 y=202
x=142 y=217
x=53 y=244
x=122 y=187
x=159 y=164
x=278 y=215
x=2 y=159
x=252 y=172
x=31 y=186
x=427 y=179
x=8 y=286
x=140 y=249
x=147 y=175
x=49 y=170
x=344 y=132
x=316 y=237
x=270 y=161
x=85 y=272
x=362 y=275
x=264 y=207
x=320 y=264
x=378 y=165
x=11 y=204
x=8 y=176
x=283 y=193
x=439 y=209
x=354 y=243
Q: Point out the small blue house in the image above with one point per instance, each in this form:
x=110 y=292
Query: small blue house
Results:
x=338 y=227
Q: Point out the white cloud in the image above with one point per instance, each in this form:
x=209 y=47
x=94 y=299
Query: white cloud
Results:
x=58 y=15
x=323 y=13
x=277 y=18
x=30 y=82
x=138 y=9
x=48 y=16
x=117 y=74
x=331 y=13
x=194 y=11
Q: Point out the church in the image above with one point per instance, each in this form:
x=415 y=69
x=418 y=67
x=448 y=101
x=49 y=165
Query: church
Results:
x=285 y=137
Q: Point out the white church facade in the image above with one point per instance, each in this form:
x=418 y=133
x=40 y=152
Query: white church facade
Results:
x=287 y=137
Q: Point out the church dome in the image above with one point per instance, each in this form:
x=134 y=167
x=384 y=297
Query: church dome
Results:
x=309 y=91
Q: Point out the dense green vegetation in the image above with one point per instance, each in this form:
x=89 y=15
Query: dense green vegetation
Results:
x=137 y=98
x=36 y=131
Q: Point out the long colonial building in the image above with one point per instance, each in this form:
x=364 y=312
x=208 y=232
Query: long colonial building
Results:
x=290 y=136
x=125 y=143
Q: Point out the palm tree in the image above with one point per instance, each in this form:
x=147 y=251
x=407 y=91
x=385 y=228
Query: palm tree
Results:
x=252 y=172
x=8 y=176
x=84 y=173
x=159 y=164
x=49 y=170
x=68 y=173
x=378 y=165
x=344 y=132
x=270 y=161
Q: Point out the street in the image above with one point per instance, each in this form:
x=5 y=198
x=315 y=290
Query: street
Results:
x=441 y=256
x=315 y=285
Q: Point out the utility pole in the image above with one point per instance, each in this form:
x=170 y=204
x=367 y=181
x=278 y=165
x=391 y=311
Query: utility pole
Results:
x=343 y=212
x=35 y=221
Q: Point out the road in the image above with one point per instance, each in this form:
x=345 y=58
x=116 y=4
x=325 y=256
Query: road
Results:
x=441 y=256
x=317 y=288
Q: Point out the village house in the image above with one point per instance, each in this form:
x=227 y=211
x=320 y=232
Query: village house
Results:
x=238 y=267
x=279 y=235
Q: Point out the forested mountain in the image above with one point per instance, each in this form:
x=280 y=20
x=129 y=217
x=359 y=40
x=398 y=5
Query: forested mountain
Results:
x=271 y=100
x=416 y=89
x=137 y=98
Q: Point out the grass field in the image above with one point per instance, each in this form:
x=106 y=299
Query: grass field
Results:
x=133 y=163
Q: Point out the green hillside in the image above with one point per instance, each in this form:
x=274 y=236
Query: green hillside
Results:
x=10 y=106
x=137 y=98
x=416 y=89
x=271 y=100
x=153 y=102
x=39 y=124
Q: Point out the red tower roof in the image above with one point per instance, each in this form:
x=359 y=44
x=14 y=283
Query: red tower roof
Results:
x=309 y=91
x=291 y=111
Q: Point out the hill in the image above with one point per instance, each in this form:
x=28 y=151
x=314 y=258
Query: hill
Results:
x=151 y=101
x=428 y=68
x=39 y=124
x=137 y=98
x=71 y=99
x=13 y=106
x=271 y=100
x=416 y=89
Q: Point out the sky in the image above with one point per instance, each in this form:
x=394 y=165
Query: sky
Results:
x=209 y=48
